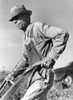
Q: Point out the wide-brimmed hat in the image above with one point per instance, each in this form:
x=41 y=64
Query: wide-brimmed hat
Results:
x=19 y=9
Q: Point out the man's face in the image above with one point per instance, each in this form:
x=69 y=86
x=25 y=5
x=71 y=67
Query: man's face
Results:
x=22 y=21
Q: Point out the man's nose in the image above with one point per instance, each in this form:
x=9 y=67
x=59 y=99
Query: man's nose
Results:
x=15 y=21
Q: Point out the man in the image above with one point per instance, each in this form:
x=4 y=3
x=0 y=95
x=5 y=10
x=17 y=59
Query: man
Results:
x=49 y=42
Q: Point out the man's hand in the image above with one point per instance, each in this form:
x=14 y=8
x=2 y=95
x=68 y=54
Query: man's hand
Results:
x=10 y=77
x=48 y=63
x=46 y=81
x=44 y=63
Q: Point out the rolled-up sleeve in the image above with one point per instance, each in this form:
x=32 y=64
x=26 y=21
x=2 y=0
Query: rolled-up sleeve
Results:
x=59 y=38
x=59 y=44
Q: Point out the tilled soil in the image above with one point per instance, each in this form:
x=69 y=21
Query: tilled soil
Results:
x=60 y=92
x=57 y=92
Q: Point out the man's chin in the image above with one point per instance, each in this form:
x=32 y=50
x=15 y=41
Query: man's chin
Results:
x=22 y=28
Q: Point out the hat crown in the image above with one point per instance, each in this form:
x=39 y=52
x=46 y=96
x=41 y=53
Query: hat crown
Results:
x=18 y=9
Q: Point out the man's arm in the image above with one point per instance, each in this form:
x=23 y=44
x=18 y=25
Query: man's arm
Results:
x=59 y=39
x=20 y=67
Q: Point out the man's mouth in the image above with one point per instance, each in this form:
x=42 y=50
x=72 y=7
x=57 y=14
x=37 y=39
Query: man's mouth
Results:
x=19 y=25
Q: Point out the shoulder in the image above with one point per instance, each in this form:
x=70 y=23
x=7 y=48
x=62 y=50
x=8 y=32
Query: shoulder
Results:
x=38 y=24
x=34 y=26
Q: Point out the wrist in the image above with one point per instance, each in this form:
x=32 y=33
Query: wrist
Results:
x=50 y=63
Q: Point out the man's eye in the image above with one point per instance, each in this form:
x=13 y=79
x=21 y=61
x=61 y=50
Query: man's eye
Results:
x=16 y=18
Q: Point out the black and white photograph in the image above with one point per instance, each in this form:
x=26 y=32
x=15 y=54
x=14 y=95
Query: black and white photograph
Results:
x=36 y=45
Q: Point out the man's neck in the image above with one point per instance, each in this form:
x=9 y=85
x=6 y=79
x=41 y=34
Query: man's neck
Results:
x=24 y=29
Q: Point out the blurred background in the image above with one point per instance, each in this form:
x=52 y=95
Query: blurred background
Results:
x=54 y=12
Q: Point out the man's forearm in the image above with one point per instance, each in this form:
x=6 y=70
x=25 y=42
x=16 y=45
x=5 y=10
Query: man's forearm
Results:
x=19 y=69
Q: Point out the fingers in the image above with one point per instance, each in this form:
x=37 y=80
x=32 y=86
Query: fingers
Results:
x=9 y=77
x=44 y=65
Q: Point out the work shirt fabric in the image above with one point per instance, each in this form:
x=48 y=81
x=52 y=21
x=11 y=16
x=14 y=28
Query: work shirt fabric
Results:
x=49 y=41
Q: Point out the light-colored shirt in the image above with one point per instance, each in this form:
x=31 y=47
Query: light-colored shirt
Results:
x=49 y=41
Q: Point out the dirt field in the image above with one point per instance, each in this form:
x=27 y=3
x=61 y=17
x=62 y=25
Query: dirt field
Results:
x=57 y=92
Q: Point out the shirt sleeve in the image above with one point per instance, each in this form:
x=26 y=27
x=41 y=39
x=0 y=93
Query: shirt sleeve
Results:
x=59 y=39
x=22 y=64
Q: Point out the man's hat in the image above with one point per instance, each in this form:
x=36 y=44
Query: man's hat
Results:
x=19 y=9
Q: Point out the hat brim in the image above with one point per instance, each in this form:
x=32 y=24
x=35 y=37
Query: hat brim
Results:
x=25 y=12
